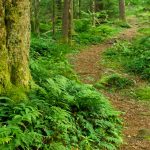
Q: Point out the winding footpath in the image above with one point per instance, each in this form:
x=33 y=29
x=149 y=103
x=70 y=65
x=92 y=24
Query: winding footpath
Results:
x=136 y=115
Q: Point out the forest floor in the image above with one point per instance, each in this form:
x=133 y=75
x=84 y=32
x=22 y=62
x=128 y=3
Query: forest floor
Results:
x=136 y=114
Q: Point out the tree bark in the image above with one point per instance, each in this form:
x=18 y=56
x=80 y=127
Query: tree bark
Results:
x=59 y=8
x=65 y=21
x=54 y=18
x=70 y=26
x=122 y=10
x=93 y=12
x=4 y=70
x=79 y=13
x=36 y=23
x=14 y=43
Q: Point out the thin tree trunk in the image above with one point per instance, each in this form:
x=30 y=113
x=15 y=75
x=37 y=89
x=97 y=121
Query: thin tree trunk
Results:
x=79 y=13
x=70 y=32
x=93 y=12
x=65 y=21
x=36 y=16
x=122 y=10
x=54 y=17
x=59 y=8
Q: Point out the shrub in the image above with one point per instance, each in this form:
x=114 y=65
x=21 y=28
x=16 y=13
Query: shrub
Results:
x=140 y=57
x=95 y=35
x=82 y=25
x=45 y=27
x=114 y=81
x=42 y=46
x=88 y=38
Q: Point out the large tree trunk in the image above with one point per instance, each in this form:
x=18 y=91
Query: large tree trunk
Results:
x=122 y=10
x=4 y=71
x=14 y=43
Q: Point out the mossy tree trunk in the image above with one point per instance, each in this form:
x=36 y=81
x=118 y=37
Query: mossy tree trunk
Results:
x=4 y=71
x=14 y=43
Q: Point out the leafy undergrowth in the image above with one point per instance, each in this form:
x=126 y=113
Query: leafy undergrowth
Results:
x=132 y=58
x=114 y=82
x=86 y=34
x=58 y=112
x=63 y=113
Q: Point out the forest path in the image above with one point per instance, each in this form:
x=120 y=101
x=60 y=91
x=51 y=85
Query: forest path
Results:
x=136 y=115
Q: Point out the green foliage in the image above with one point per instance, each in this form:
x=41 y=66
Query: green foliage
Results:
x=124 y=25
x=139 y=2
x=145 y=31
x=114 y=81
x=88 y=38
x=44 y=46
x=82 y=25
x=45 y=27
x=48 y=59
x=143 y=93
x=109 y=7
x=95 y=34
x=134 y=57
x=62 y=112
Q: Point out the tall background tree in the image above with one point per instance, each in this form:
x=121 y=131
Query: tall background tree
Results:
x=36 y=11
x=122 y=14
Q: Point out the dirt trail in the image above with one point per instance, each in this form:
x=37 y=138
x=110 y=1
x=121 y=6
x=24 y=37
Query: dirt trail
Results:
x=87 y=62
x=136 y=115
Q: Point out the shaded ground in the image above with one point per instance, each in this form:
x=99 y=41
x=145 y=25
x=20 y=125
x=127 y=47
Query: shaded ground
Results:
x=136 y=115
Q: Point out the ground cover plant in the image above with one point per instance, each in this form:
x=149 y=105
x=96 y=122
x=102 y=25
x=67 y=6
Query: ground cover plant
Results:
x=87 y=120
x=114 y=82
x=86 y=34
x=134 y=57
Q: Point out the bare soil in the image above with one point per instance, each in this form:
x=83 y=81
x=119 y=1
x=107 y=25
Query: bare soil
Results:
x=136 y=115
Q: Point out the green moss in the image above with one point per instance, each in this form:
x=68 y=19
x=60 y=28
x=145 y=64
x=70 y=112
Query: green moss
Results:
x=18 y=94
